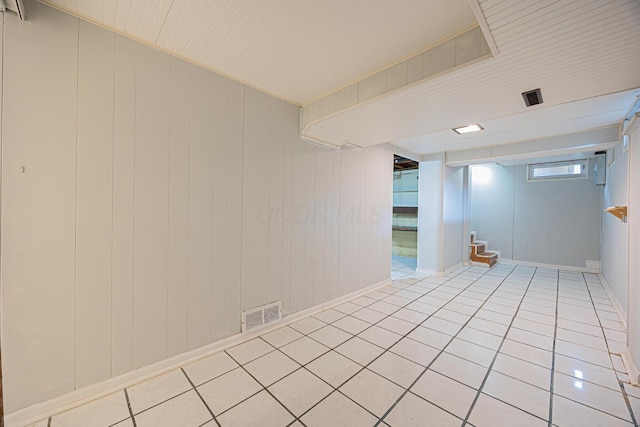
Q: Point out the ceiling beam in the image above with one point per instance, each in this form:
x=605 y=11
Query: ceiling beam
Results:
x=484 y=27
x=593 y=140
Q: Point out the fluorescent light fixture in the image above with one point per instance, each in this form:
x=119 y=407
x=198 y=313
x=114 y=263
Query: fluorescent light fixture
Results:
x=468 y=129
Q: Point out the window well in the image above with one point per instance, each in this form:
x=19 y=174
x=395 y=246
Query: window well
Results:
x=558 y=170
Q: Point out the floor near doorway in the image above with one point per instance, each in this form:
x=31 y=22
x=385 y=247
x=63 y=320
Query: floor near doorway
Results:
x=509 y=346
x=402 y=266
x=404 y=242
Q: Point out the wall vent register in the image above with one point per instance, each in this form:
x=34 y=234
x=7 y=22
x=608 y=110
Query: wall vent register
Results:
x=258 y=317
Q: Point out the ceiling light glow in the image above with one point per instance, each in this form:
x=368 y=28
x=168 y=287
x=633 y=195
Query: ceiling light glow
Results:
x=468 y=129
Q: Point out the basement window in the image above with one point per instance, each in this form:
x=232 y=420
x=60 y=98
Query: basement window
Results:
x=558 y=170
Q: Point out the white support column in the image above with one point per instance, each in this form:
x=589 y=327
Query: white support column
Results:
x=632 y=358
x=442 y=199
x=430 y=218
x=466 y=214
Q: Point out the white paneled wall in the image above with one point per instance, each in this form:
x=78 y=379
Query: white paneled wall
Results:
x=614 y=246
x=556 y=222
x=491 y=206
x=158 y=201
x=38 y=250
x=633 y=219
x=94 y=204
x=123 y=206
x=550 y=222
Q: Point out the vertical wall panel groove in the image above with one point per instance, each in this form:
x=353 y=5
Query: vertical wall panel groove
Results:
x=201 y=154
x=234 y=139
x=178 y=246
x=221 y=180
x=307 y=218
x=298 y=229
x=319 y=218
x=276 y=195
x=94 y=204
x=255 y=201
x=152 y=130
x=123 y=206
x=291 y=133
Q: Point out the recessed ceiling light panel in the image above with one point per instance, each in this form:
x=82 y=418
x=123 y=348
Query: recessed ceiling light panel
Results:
x=468 y=129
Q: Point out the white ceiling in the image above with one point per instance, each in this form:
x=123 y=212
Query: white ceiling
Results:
x=583 y=54
x=298 y=50
x=572 y=49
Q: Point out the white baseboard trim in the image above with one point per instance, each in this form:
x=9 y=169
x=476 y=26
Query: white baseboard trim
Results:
x=440 y=273
x=614 y=300
x=427 y=272
x=632 y=369
x=51 y=407
x=554 y=266
x=453 y=268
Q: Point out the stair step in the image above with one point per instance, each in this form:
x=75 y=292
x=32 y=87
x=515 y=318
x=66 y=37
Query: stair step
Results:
x=487 y=255
x=479 y=252
x=487 y=258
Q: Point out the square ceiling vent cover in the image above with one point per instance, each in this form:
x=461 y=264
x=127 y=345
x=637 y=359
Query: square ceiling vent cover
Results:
x=532 y=97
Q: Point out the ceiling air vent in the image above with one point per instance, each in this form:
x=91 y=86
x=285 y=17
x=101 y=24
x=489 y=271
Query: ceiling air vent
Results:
x=532 y=97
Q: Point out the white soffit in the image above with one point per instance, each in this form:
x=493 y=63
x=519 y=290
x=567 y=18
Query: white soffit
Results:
x=560 y=119
x=572 y=49
x=296 y=50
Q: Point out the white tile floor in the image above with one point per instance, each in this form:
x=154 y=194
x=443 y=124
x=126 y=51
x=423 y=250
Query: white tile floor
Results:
x=511 y=345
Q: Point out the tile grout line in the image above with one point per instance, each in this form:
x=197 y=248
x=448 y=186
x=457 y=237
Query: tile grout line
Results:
x=200 y=396
x=159 y=403
x=407 y=389
x=627 y=402
x=233 y=369
x=133 y=419
x=295 y=418
x=489 y=370
x=588 y=363
x=336 y=389
x=624 y=393
x=278 y=349
x=553 y=352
